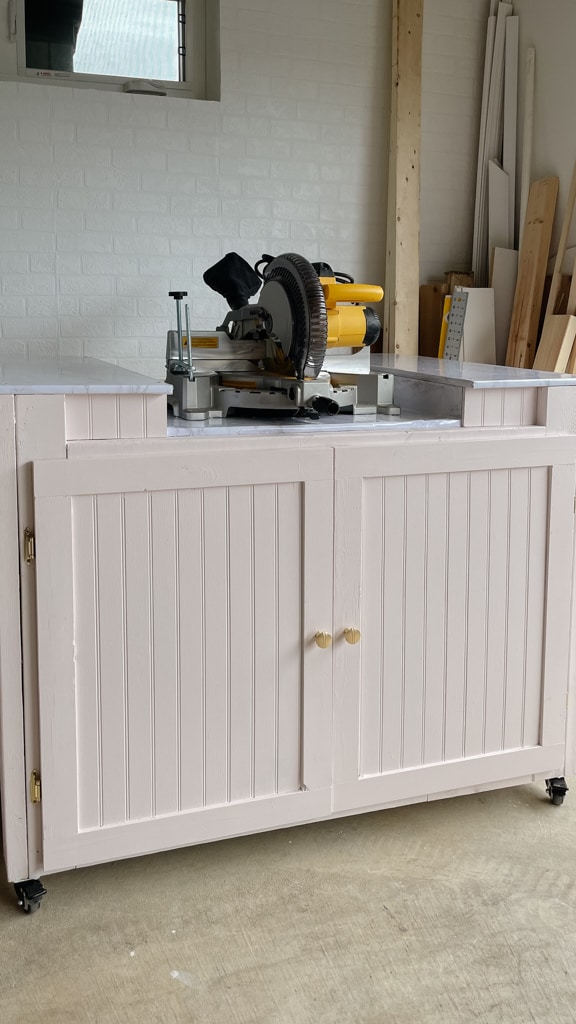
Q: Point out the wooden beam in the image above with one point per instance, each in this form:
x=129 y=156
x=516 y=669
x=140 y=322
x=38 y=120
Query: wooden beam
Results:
x=403 y=222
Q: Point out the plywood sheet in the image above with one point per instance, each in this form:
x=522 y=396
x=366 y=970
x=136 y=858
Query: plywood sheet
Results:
x=556 y=343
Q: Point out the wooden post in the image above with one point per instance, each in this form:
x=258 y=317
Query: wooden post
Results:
x=403 y=223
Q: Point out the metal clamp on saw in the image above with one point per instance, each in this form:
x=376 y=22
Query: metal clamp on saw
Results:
x=303 y=349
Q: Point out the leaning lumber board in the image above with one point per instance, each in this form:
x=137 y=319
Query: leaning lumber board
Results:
x=558 y=335
x=532 y=272
x=566 y=224
x=571 y=364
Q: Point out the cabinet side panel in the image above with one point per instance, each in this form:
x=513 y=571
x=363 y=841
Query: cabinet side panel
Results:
x=40 y=434
x=12 y=769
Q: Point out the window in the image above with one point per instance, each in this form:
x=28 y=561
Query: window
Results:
x=167 y=47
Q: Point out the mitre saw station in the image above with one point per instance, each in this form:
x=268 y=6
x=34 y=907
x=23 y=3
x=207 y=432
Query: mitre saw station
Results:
x=302 y=349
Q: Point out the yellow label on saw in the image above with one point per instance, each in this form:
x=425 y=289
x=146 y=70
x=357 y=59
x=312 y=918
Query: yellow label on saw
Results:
x=205 y=341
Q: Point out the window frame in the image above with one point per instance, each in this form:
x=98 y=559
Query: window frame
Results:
x=201 y=40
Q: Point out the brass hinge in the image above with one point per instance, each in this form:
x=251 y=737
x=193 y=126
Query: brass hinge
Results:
x=35 y=787
x=29 y=545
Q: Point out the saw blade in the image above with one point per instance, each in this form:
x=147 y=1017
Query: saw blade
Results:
x=293 y=296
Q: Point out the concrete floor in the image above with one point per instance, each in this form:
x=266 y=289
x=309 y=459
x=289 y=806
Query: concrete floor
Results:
x=445 y=913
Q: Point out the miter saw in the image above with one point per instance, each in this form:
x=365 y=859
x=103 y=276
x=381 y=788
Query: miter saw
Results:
x=303 y=349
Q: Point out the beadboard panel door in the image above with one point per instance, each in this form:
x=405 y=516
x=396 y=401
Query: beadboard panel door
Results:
x=459 y=581
x=182 y=695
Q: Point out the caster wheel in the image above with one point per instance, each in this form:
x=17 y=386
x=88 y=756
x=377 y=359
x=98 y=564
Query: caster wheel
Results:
x=556 y=790
x=29 y=895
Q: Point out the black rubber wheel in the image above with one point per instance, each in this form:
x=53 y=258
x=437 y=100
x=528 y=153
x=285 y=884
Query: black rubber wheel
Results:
x=32 y=908
x=557 y=799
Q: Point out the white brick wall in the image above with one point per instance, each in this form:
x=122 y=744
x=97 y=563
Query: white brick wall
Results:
x=453 y=67
x=109 y=201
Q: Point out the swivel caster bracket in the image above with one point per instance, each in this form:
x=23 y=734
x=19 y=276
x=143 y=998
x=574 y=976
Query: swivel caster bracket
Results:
x=29 y=895
x=556 y=790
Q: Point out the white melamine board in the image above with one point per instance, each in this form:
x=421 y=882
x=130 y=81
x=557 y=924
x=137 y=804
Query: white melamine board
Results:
x=503 y=282
x=12 y=769
x=499 y=234
x=510 y=118
x=478 y=336
x=527 y=133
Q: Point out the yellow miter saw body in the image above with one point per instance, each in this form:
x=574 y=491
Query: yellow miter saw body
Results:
x=296 y=351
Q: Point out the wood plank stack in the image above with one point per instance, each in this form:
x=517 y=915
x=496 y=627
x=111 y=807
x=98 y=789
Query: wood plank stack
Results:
x=559 y=330
x=496 y=173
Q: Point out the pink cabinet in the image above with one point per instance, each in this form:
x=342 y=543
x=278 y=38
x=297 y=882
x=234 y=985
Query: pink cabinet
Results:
x=161 y=664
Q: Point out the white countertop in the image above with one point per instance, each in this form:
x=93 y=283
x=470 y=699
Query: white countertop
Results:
x=467 y=375
x=236 y=426
x=72 y=375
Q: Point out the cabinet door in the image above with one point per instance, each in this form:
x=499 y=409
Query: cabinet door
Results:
x=182 y=695
x=454 y=561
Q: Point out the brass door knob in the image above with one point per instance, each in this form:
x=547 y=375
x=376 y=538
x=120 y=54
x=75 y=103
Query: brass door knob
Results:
x=323 y=639
x=352 y=636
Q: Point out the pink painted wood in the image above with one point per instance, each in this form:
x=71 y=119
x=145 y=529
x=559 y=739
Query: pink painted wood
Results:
x=452 y=576
x=174 y=681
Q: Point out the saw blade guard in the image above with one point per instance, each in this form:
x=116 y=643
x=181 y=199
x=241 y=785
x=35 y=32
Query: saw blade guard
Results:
x=293 y=296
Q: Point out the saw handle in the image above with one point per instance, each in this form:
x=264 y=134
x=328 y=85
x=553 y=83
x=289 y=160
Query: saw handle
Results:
x=351 y=292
